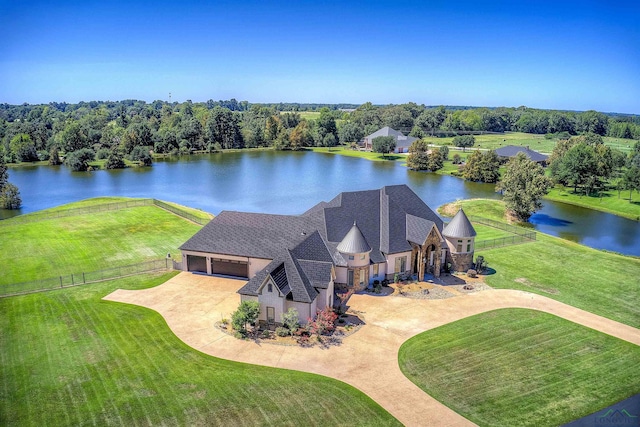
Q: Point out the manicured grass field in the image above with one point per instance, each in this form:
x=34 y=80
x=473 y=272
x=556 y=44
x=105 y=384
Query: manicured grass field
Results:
x=89 y=242
x=608 y=201
x=69 y=358
x=521 y=367
x=596 y=281
x=347 y=151
x=486 y=232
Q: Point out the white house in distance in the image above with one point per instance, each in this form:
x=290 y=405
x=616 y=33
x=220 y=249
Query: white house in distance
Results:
x=356 y=238
x=402 y=142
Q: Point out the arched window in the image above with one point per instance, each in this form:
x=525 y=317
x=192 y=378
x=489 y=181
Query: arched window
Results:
x=270 y=287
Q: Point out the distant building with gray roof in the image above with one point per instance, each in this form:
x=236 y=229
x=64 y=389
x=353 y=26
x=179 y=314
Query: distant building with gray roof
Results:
x=299 y=260
x=510 y=151
x=402 y=142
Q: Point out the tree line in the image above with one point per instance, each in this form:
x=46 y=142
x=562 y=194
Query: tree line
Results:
x=133 y=130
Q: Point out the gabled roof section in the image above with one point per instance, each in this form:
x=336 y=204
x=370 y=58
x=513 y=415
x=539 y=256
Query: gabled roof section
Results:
x=460 y=226
x=513 y=150
x=385 y=131
x=354 y=242
x=418 y=229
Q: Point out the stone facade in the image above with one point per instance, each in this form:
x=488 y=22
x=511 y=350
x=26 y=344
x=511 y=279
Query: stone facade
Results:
x=461 y=261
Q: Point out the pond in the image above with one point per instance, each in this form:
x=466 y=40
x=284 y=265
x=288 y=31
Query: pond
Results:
x=292 y=182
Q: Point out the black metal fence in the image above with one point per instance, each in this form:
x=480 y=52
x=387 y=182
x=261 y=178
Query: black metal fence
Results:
x=505 y=241
x=502 y=226
x=180 y=212
x=84 y=277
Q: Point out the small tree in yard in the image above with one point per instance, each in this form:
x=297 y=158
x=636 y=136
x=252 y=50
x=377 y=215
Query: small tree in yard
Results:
x=523 y=186
x=383 y=144
x=247 y=313
x=464 y=141
x=290 y=320
x=324 y=323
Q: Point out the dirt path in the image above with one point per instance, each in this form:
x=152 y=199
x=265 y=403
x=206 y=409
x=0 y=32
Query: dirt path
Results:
x=368 y=359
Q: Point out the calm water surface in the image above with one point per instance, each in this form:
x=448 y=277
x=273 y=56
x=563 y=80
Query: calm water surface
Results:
x=290 y=183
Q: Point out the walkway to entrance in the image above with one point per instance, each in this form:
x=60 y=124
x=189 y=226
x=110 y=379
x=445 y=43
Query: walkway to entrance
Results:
x=191 y=304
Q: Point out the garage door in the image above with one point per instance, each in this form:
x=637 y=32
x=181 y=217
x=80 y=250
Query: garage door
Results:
x=229 y=268
x=196 y=263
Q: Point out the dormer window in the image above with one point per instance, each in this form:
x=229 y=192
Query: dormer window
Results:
x=351 y=258
x=362 y=256
x=269 y=287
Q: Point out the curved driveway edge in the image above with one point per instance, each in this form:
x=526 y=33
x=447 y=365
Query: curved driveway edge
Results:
x=368 y=359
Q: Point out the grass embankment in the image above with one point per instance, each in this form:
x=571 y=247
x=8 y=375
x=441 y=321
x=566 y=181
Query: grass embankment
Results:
x=606 y=201
x=369 y=155
x=600 y=282
x=91 y=241
x=521 y=367
x=69 y=358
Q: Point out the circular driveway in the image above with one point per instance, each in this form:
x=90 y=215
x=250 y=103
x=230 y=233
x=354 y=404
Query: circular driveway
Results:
x=368 y=359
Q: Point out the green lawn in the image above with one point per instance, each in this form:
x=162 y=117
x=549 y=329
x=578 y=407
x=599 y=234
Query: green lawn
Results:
x=608 y=201
x=369 y=155
x=88 y=242
x=521 y=367
x=69 y=358
x=486 y=232
x=596 y=281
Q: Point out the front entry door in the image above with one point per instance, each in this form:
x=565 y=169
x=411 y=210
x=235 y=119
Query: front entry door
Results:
x=271 y=315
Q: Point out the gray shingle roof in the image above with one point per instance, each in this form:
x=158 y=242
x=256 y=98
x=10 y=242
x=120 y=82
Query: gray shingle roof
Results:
x=401 y=139
x=460 y=226
x=354 y=242
x=513 y=150
x=303 y=248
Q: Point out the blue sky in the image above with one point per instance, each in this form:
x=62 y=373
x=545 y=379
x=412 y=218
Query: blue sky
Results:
x=557 y=55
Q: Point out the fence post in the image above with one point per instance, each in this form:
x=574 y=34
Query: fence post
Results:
x=83 y=277
x=72 y=283
x=60 y=281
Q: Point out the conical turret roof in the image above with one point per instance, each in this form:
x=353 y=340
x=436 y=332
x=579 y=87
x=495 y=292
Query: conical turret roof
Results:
x=354 y=242
x=460 y=226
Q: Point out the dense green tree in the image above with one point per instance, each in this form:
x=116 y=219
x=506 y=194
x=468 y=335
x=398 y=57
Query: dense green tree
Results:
x=631 y=180
x=397 y=117
x=436 y=161
x=246 y=314
x=431 y=119
x=78 y=160
x=418 y=158
x=383 y=144
x=115 y=160
x=73 y=137
x=326 y=125
x=301 y=136
x=444 y=150
x=54 y=156
x=482 y=167
x=141 y=155
x=523 y=186
x=23 y=149
x=10 y=197
x=223 y=127
x=350 y=132
x=464 y=141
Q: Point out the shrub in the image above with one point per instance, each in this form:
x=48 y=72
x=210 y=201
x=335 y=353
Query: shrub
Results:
x=43 y=155
x=114 y=160
x=141 y=155
x=79 y=160
x=456 y=159
x=444 y=151
x=266 y=334
x=247 y=313
x=324 y=322
x=282 y=332
x=472 y=273
x=10 y=197
x=102 y=153
x=290 y=319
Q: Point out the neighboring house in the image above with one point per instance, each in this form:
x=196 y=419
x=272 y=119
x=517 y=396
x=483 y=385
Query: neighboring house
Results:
x=358 y=237
x=509 y=151
x=402 y=142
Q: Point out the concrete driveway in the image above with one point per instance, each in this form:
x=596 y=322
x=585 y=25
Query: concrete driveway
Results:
x=368 y=359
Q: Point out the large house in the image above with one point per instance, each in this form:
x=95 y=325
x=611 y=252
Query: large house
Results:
x=356 y=238
x=509 y=151
x=402 y=142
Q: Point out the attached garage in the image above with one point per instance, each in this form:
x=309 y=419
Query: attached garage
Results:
x=230 y=267
x=196 y=263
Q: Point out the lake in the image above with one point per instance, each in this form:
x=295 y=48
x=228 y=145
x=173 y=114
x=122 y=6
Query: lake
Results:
x=292 y=182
